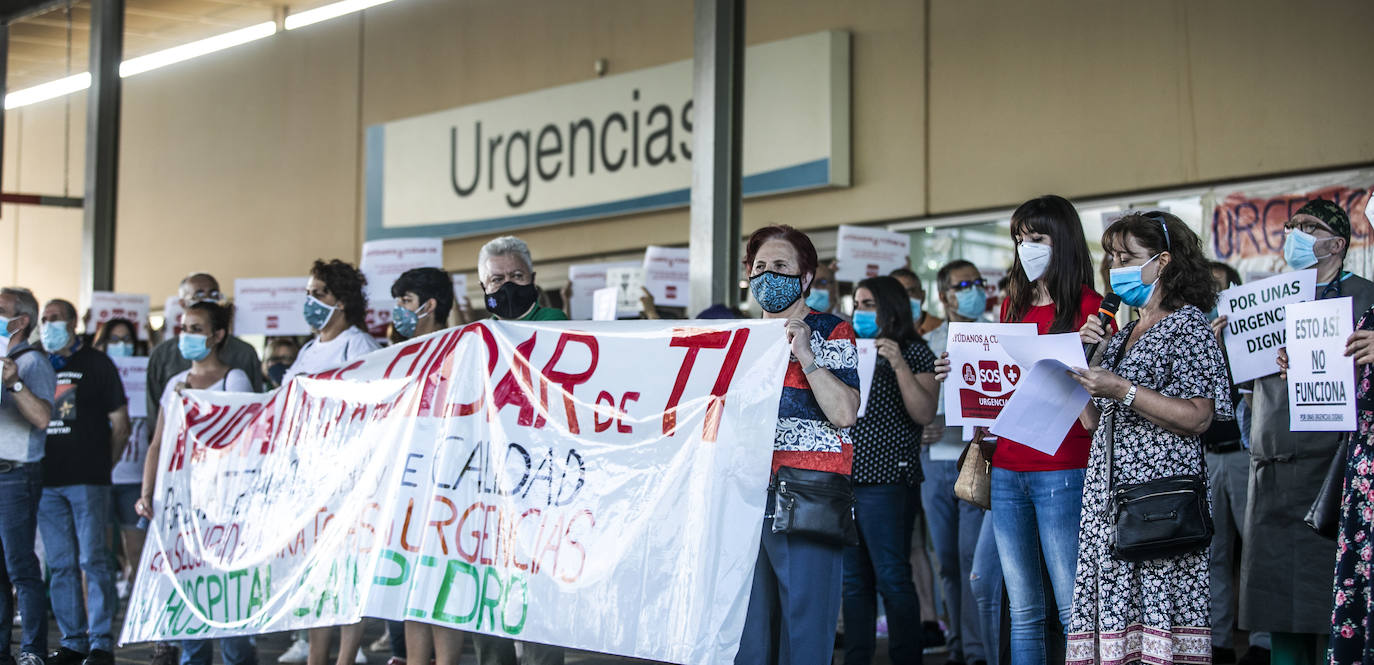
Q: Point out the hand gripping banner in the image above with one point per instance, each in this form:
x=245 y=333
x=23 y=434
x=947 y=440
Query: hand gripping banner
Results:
x=593 y=485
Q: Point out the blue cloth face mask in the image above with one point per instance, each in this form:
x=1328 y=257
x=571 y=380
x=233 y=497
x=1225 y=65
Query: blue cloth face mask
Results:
x=775 y=291
x=119 y=349
x=973 y=301
x=819 y=301
x=55 y=336
x=317 y=314
x=866 y=323
x=1299 y=250
x=1126 y=282
x=915 y=311
x=193 y=347
x=5 y=327
x=405 y=321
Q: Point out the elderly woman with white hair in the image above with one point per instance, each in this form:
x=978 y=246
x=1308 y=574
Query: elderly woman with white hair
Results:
x=506 y=272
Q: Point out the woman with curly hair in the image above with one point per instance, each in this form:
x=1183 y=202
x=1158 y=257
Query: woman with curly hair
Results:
x=1161 y=381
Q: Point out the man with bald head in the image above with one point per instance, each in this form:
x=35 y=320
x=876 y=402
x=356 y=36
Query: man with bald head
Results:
x=166 y=362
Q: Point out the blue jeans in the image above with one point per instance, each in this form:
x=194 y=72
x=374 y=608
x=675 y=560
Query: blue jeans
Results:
x=880 y=565
x=232 y=650
x=74 y=521
x=20 y=490
x=954 y=527
x=793 y=603
x=985 y=582
x=1035 y=516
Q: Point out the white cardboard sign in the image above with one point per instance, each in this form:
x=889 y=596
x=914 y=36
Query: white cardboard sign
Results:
x=1254 y=320
x=385 y=260
x=106 y=305
x=982 y=375
x=133 y=373
x=627 y=282
x=171 y=315
x=665 y=274
x=585 y=279
x=868 y=361
x=864 y=252
x=603 y=303
x=270 y=306
x=1321 y=379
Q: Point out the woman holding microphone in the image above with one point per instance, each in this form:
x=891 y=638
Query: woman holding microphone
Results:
x=1161 y=381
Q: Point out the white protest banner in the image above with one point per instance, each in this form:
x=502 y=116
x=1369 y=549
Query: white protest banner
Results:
x=1321 y=379
x=106 y=305
x=863 y=252
x=385 y=260
x=171 y=316
x=1254 y=320
x=586 y=278
x=982 y=376
x=603 y=303
x=665 y=274
x=628 y=283
x=868 y=361
x=133 y=373
x=270 y=306
x=598 y=486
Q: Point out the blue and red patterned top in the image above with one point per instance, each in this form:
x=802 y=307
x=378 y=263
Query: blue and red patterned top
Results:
x=805 y=438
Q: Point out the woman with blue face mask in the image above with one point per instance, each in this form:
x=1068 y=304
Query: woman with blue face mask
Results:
x=117 y=339
x=901 y=400
x=1161 y=381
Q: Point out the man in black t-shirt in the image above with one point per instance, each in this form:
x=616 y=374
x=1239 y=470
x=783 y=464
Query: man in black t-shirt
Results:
x=87 y=433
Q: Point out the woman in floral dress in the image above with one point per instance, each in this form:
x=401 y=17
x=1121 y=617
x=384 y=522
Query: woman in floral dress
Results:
x=1162 y=380
x=1354 y=584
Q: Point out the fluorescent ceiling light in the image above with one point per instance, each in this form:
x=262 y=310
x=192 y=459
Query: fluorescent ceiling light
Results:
x=50 y=90
x=155 y=60
x=312 y=16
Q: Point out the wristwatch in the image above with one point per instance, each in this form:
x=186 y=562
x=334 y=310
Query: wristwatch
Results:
x=1130 y=397
x=17 y=388
x=810 y=368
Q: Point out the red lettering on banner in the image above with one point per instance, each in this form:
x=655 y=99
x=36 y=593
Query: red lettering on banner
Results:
x=514 y=541
x=573 y=543
x=609 y=400
x=569 y=380
x=625 y=399
x=516 y=391
x=492 y=357
x=696 y=339
x=405 y=529
x=196 y=415
x=440 y=524
x=727 y=374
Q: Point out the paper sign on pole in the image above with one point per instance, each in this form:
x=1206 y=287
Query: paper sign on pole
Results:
x=271 y=306
x=628 y=283
x=864 y=252
x=1254 y=320
x=665 y=274
x=133 y=373
x=604 y=303
x=868 y=361
x=385 y=260
x=585 y=278
x=982 y=376
x=106 y=305
x=1321 y=379
x=504 y=478
x=1047 y=403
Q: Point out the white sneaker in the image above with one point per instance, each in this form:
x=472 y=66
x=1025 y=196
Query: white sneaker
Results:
x=381 y=644
x=298 y=653
x=361 y=658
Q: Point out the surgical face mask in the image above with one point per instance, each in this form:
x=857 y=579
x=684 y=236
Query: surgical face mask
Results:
x=819 y=301
x=1126 y=282
x=1299 y=249
x=405 y=321
x=972 y=302
x=775 y=291
x=866 y=323
x=119 y=349
x=193 y=347
x=55 y=336
x=317 y=314
x=512 y=300
x=1035 y=259
x=5 y=327
x=915 y=310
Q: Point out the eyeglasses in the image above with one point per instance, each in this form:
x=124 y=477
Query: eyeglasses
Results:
x=495 y=280
x=202 y=295
x=1307 y=226
x=968 y=283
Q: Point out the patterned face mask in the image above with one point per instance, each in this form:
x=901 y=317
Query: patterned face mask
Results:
x=775 y=291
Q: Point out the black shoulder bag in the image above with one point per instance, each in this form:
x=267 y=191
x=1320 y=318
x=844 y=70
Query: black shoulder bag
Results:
x=1156 y=519
x=818 y=505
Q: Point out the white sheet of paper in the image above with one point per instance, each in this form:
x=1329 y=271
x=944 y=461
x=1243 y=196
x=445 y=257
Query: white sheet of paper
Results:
x=1064 y=347
x=665 y=274
x=627 y=282
x=865 y=251
x=171 y=315
x=1044 y=407
x=270 y=306
x=603 y=303
x=1321 y=379
x=1254 y=320
x=106 y=305
x=383 y=261
x=133 y=373
x=982 y=375
x=585 y=279
x=460 y=288
x=868 y=359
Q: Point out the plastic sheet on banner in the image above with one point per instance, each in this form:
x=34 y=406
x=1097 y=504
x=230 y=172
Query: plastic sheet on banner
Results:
x=594 y=485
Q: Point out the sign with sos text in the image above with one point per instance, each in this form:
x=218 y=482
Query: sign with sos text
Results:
x=982 y=375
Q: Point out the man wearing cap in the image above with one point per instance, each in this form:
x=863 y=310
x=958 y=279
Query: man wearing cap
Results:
x=1282 y=589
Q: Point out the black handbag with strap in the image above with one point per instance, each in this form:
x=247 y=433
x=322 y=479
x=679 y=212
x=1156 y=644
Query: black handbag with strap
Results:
x=1325 y=514
x=818 y=505
x=1156 y=519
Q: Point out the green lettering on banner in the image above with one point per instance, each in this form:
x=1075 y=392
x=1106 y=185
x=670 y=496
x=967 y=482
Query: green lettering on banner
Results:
x=256 y=598
x=486 y=605
x=492 y=593
x=441 y=600
x=524 y=605
x=401 y=561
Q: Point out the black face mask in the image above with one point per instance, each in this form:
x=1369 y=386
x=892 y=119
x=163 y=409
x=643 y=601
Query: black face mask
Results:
x=512 y=300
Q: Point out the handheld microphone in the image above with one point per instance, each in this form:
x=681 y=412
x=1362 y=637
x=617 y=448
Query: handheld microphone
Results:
x=1105 y=312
